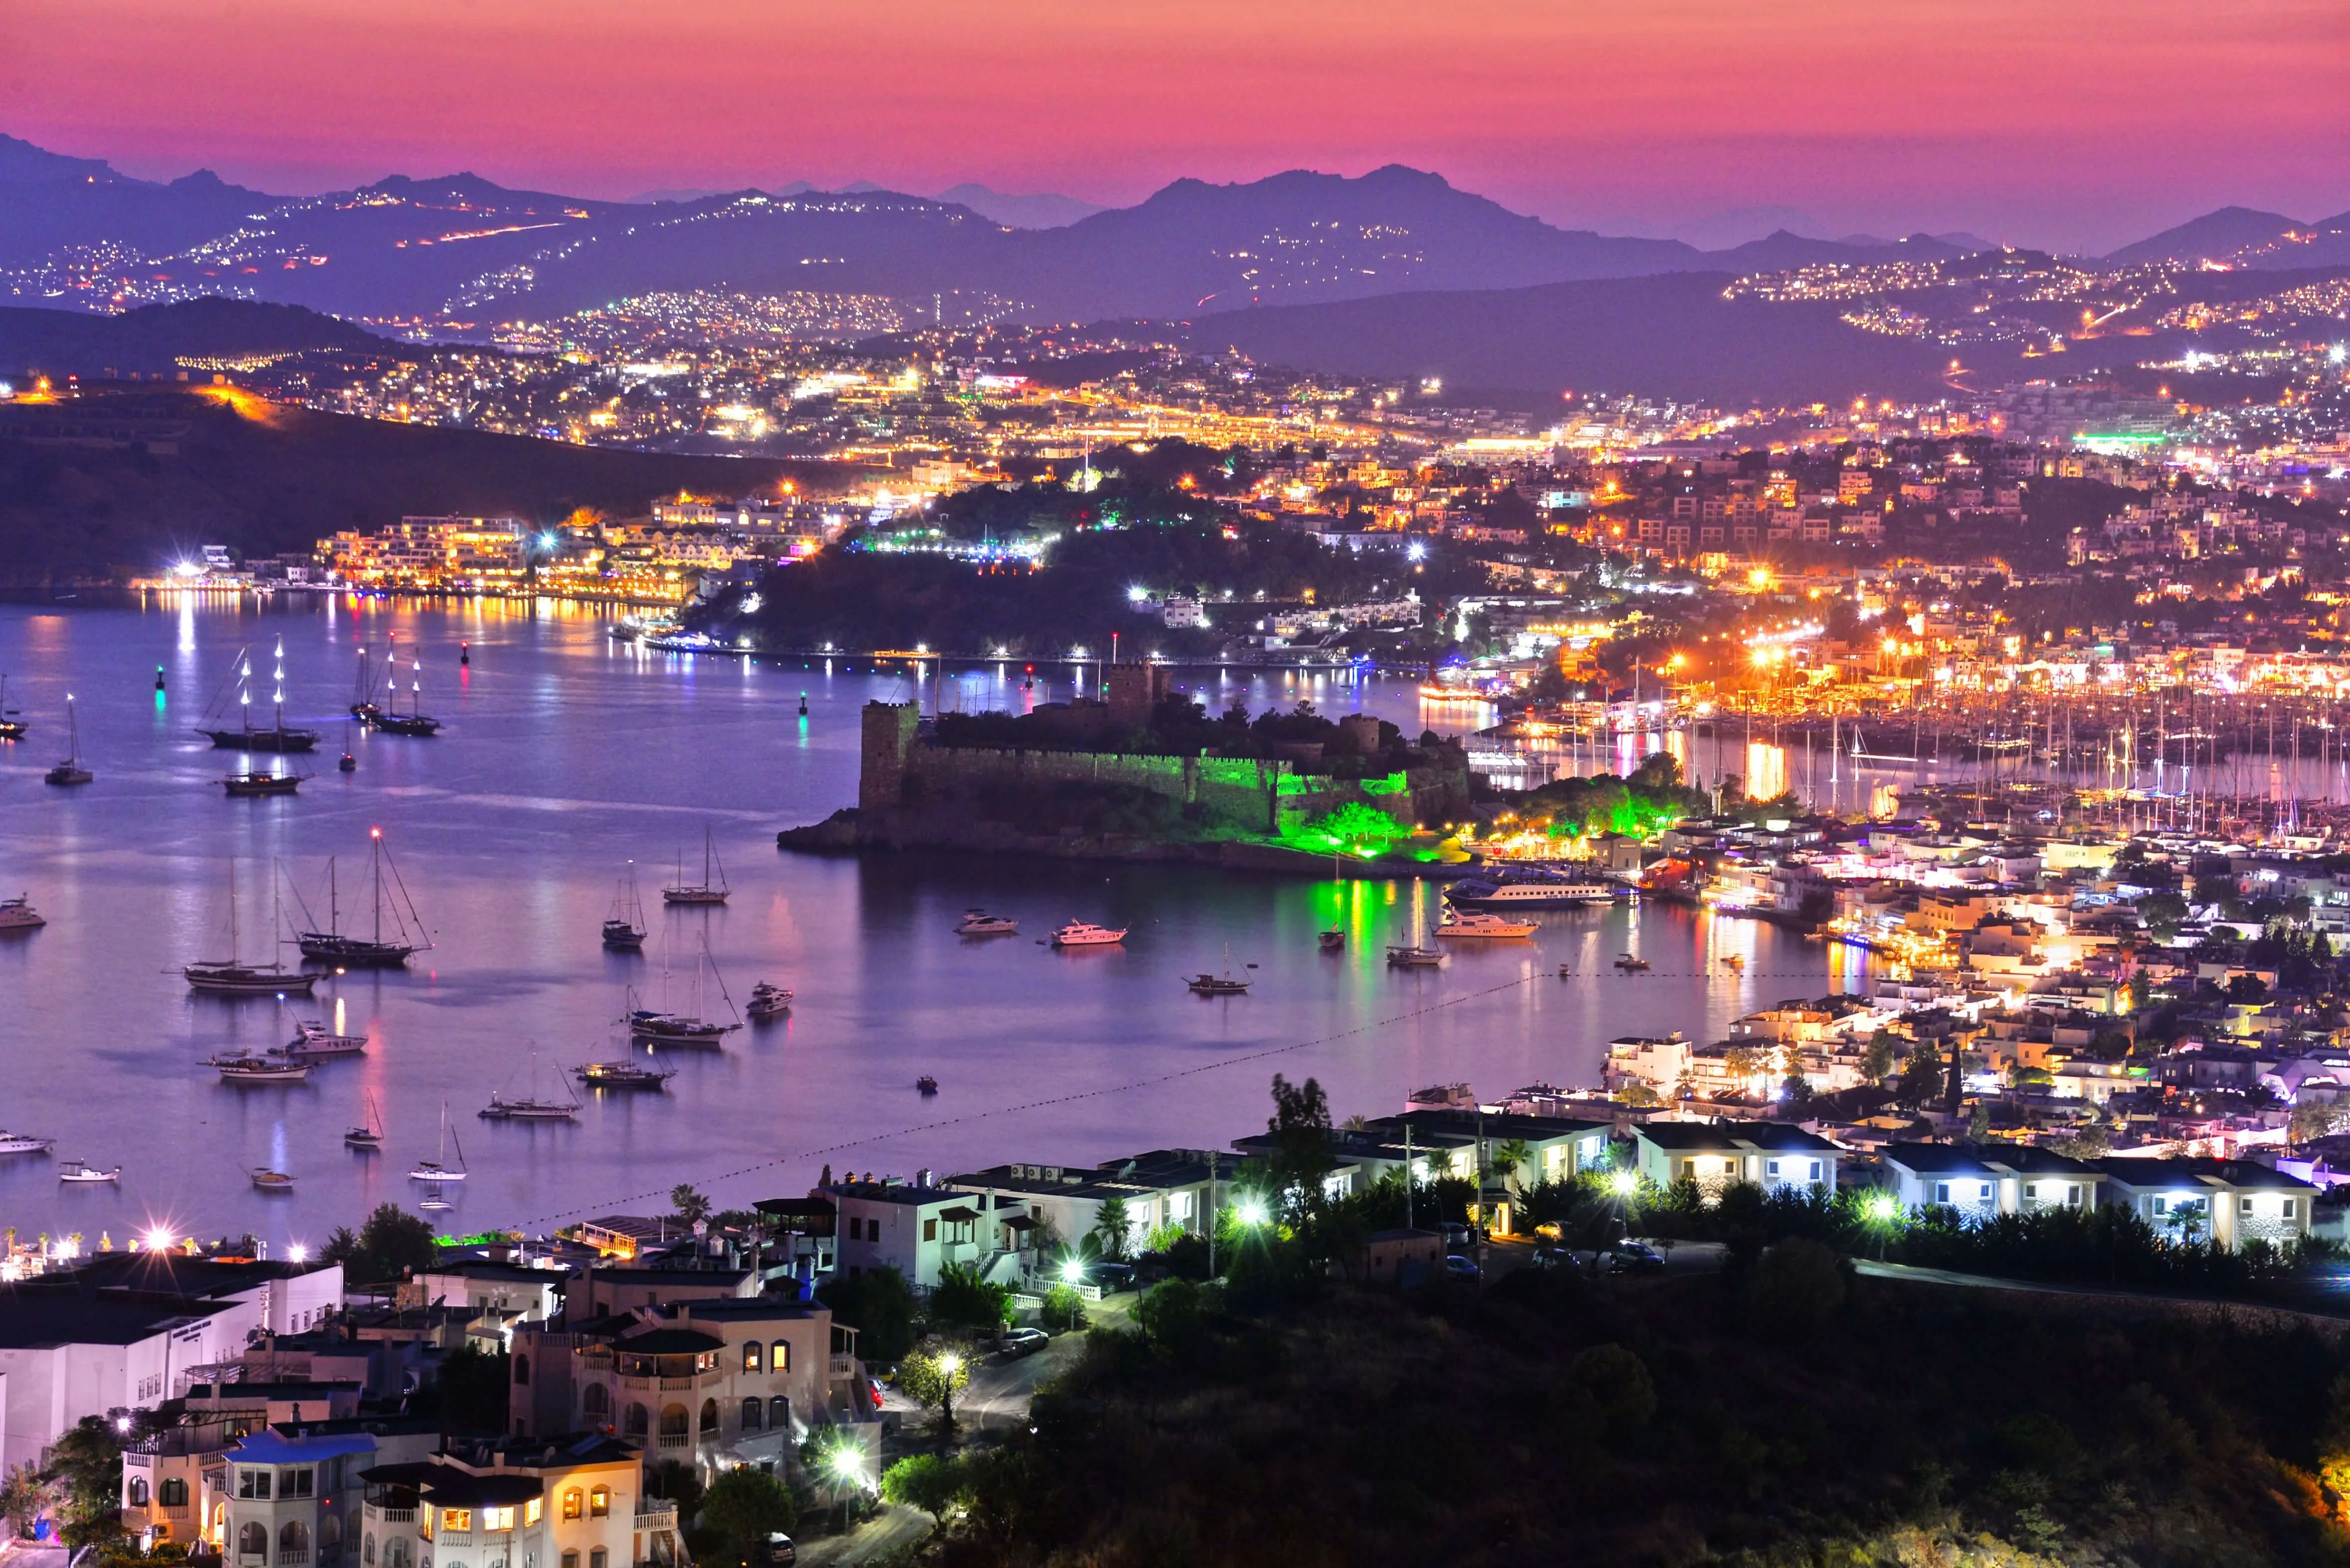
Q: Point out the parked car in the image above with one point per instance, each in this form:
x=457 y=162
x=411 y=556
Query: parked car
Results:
x=1455 y=1235
x=1112 y=1276
x=873 y=1391
x=780 y=1552
x=1636 y=1257
x=1548 y=1257
x=1015 y=1343
x=1457 y=1267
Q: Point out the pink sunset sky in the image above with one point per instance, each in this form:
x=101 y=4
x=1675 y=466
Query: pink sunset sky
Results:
x=2080 y=123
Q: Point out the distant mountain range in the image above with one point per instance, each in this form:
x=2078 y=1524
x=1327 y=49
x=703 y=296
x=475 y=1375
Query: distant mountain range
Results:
x=1393 y=272
x=153 y=340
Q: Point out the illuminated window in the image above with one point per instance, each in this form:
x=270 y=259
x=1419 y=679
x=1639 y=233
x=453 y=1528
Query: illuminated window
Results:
x=497 y=1518
x=571 y=1503
x=750 y=1357
x=456 y=1518
x=532 y=1511
x=599 y=1502
x=781 y=1361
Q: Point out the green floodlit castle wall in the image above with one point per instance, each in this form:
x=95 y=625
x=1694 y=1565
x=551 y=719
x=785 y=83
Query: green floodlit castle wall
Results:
x=901 y=774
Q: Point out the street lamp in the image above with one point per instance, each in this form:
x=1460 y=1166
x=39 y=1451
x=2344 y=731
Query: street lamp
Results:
x=1623 y=1184
x=1253 y=1211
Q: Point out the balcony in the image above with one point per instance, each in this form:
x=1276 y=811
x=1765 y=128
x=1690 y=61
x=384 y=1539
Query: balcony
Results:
x=844 y=1367
x=676 y=1440
x=392 y=1515
x=654 y=1515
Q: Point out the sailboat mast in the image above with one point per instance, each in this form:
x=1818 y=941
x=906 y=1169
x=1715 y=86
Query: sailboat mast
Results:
x=375 y=838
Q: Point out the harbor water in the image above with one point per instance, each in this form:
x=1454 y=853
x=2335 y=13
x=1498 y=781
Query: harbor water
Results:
x=567 y=754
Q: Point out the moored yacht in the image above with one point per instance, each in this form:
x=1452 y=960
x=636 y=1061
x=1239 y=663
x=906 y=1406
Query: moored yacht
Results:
x=767 y=1001
x=79 y=1171
x=1527 y=886
x=254 y=782
x=241 y=736
x=979 y=923
x=624 y=1075
x=17 y=914
x=378 y=948
x=23 y=1143
x=269 y=1181
x=1479 y=923
x=246 y=1069
x=314 y=1040
x=1081 y=934
x=624 y=928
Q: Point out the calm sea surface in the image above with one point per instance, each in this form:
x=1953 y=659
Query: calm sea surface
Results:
x=565 y=756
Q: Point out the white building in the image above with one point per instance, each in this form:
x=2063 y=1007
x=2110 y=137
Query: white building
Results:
x=130 y=1330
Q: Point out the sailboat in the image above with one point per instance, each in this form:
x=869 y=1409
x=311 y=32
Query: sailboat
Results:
x=234 y=976
x=704 y=891
x=336 y=946
x=70 y=771
x=624 y=1074
x=363 y=703
x=12 y=726
x=624 y=928
x=389 y=719
x=243 y=736
x=685 y=1028
x=367 y=1136
x=438 y=1171
x=530 y=1107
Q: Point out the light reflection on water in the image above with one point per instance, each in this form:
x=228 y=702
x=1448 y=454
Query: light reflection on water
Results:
x=567 y=756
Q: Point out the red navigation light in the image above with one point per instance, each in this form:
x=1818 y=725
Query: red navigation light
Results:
x=375 y=832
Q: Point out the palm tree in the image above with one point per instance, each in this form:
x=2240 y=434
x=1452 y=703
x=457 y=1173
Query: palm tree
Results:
x=1511 y=1159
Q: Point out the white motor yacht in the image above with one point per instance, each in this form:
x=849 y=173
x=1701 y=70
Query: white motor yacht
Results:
x=1478 y=923
x=17 y=914
x=1078 y=934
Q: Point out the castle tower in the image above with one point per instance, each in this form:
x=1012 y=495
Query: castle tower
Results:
x=886 y=740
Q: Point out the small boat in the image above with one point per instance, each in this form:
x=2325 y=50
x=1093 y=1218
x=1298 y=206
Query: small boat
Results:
x=269 y=1181
x=624 y=928
x=71 y=772
x=17 y=914
x=1477 y=923
x=1734 y=960
x=768 y=1001
x=1567 y=972
x=1079 y=934
x=434 y=1201
x=623 y=1074
x=501 y=1110
x=1631 y=965
x=1217 y=985
x=1411 y=955
x=256 y=783
x=677 y=1028
x=237 y=1068
x=23 y=1143
x=76 y=1170
x=385 y=717
x=926 y=1085
x=979 y=923
x=349 y=763
x=366 y=1136
x=439 y=1170
x=1332 y=941
x=314 y=1040
x=706 y=891
x=246 y=980
x=531 y=1107
x=241 y=736
x=12 y=727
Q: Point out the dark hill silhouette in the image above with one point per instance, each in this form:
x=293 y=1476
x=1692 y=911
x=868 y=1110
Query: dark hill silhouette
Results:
x=1673 y=336
x=150 y=340
x=266 y=478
